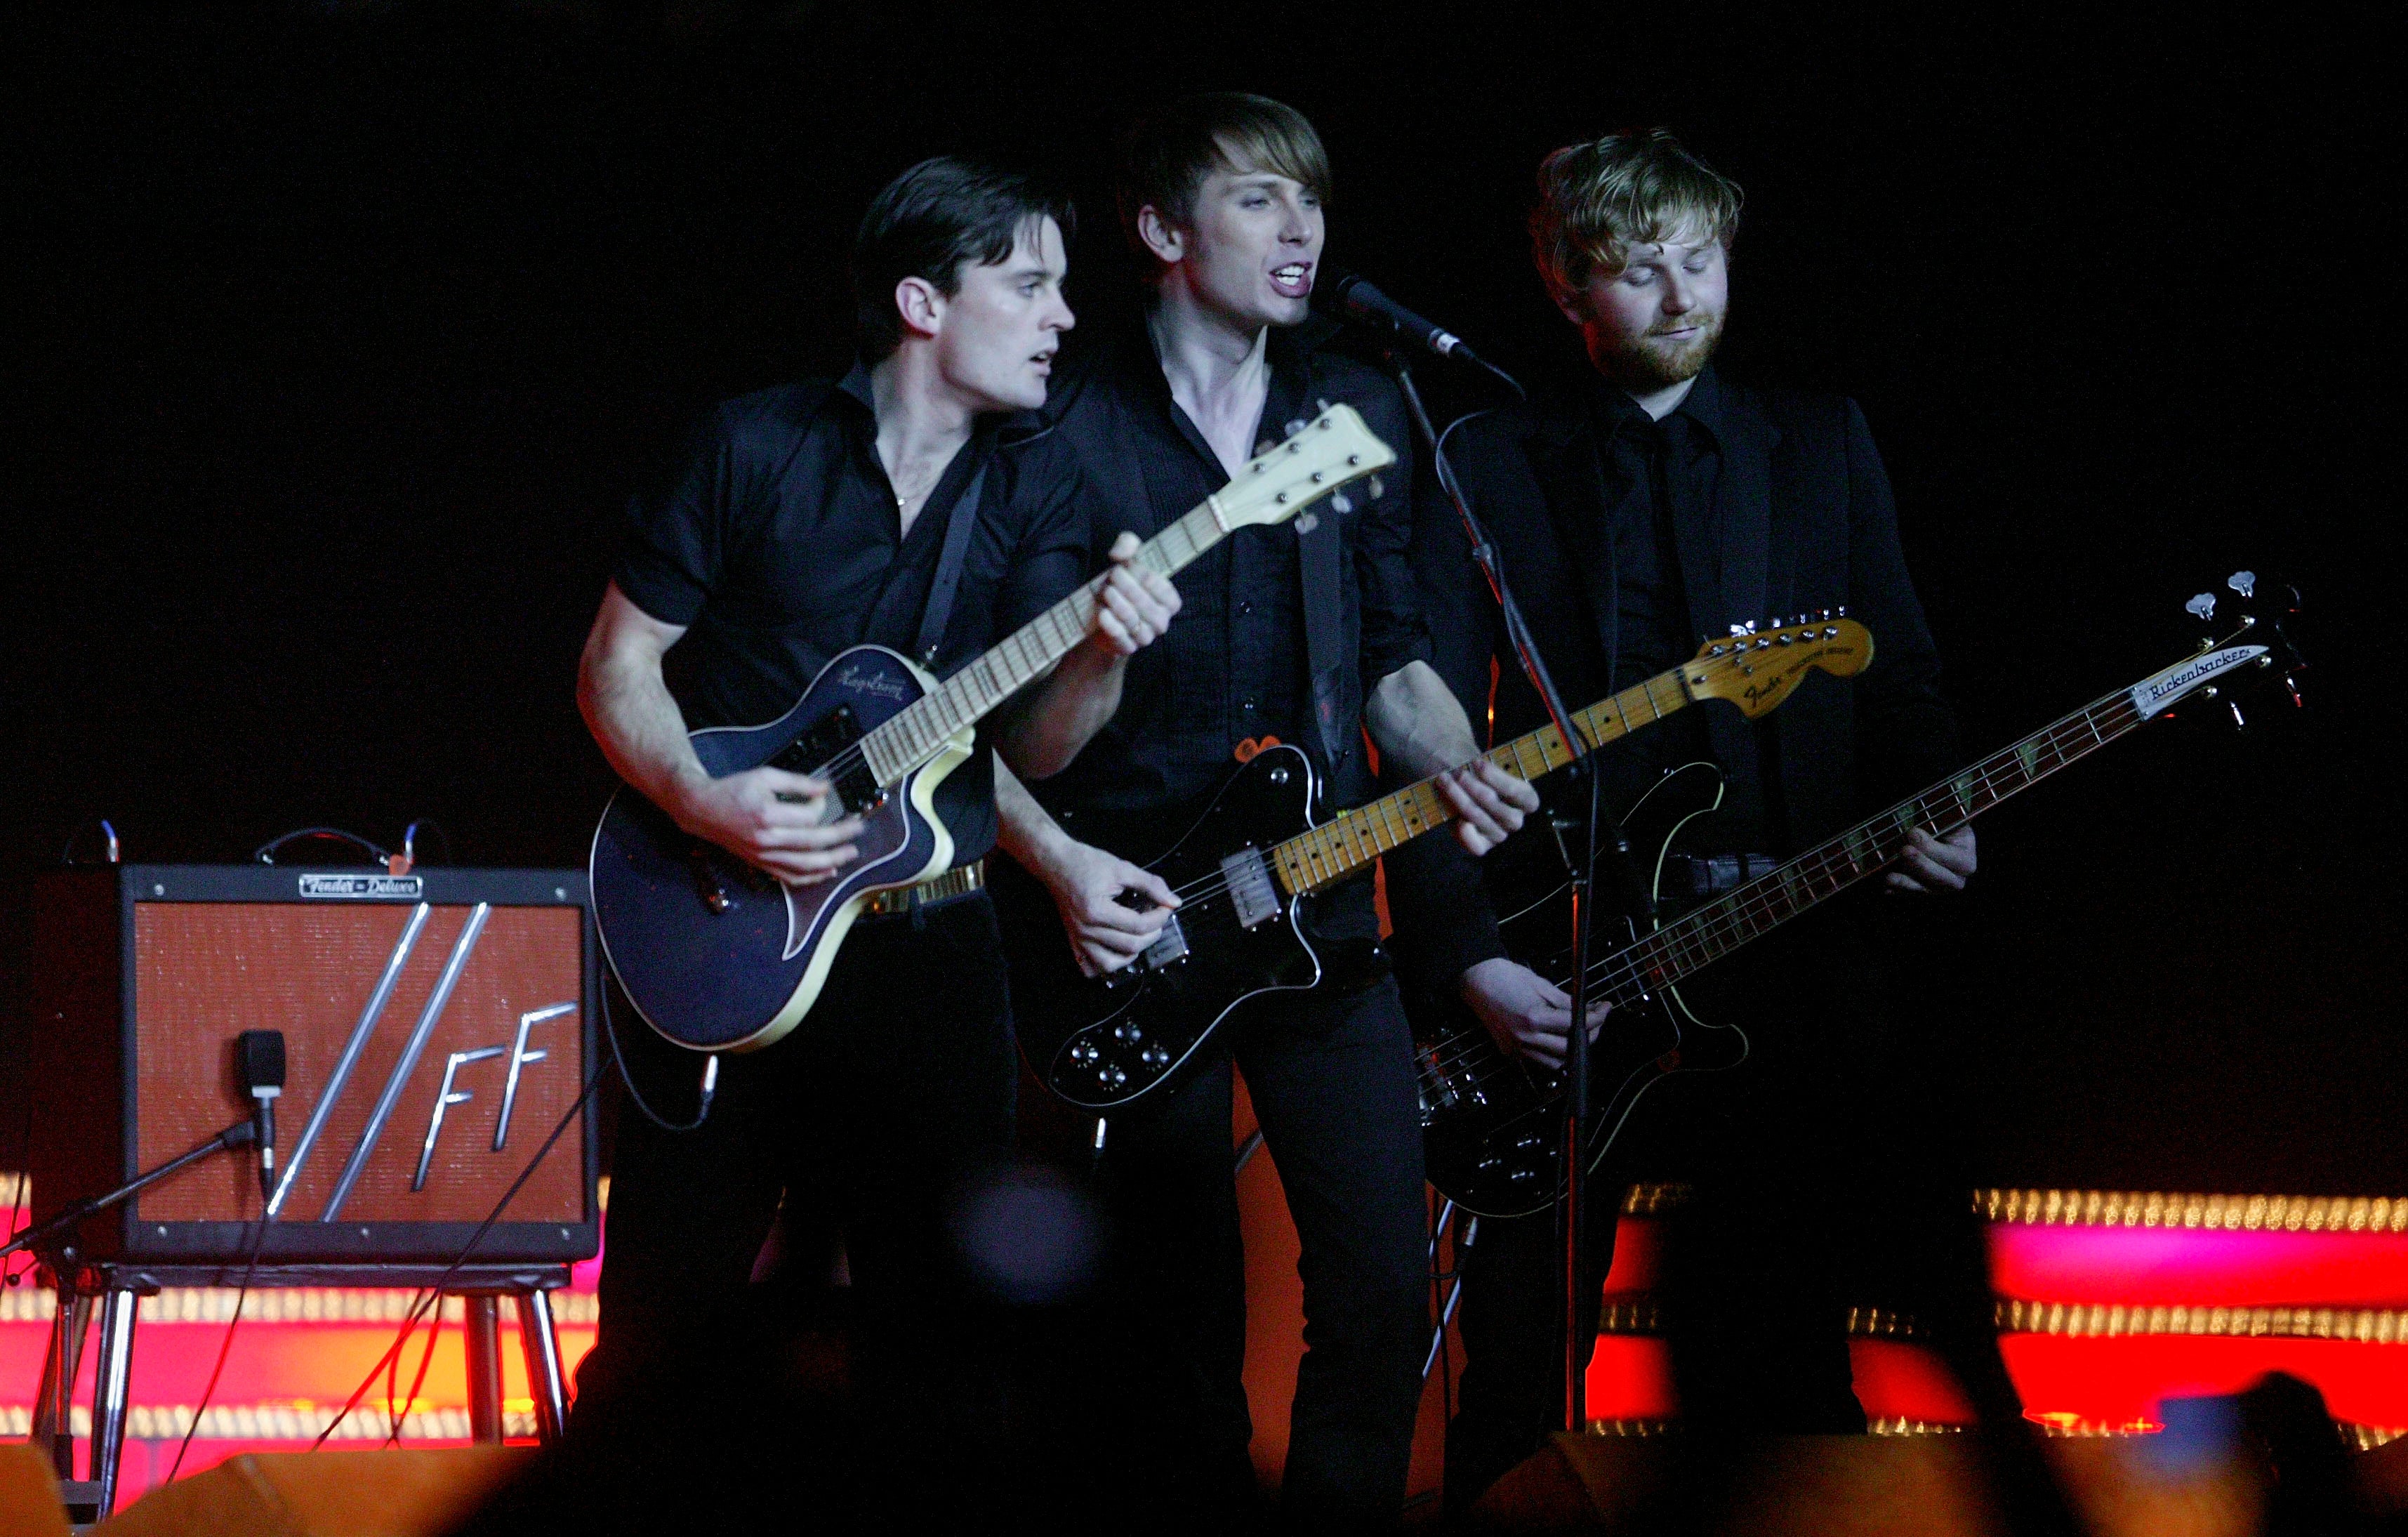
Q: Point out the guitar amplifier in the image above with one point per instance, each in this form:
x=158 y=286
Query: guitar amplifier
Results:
x=438 y=1025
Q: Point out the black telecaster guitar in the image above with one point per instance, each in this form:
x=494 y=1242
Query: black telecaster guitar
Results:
x=1247 y=867
x=719 y=956
x=1491 y=1122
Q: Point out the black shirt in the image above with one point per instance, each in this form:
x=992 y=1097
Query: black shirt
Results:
x=778 y=543
x=1233 y=665
x=1657 y=483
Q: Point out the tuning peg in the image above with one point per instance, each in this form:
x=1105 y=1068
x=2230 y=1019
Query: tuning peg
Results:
x=1337 y=502
x=1374 y=488
x=2243 y=583
x=2201 y=608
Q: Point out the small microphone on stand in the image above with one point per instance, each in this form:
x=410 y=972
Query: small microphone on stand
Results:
x=259 y=1062
x=1351 y=297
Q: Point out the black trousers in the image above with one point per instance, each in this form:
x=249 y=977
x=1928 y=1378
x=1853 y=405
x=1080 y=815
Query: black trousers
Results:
x=1332 y=1082
x=871 y=1116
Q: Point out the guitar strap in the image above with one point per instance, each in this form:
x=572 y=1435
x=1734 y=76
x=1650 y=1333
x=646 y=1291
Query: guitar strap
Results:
x=1325 y=632
x=959 y=525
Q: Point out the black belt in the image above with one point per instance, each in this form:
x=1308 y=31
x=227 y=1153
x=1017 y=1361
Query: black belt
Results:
x=1688 y=877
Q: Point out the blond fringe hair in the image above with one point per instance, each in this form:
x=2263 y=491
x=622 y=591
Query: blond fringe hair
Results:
x=1166 y=156
x=1599 y=199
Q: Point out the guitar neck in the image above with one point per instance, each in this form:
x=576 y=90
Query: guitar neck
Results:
x=1352 y=839
x=918 y=733
x=1706 y=934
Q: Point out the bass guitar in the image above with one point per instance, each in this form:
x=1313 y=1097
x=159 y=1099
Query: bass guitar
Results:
x=718 y=956
x=1491 y=1122
x=1247 y=867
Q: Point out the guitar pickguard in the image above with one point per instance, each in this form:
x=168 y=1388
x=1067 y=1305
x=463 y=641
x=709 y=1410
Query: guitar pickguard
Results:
x=1492 y=1122
x=1105 y=1044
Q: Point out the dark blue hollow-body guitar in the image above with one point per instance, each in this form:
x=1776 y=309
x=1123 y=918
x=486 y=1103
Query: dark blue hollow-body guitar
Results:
x=718 y=954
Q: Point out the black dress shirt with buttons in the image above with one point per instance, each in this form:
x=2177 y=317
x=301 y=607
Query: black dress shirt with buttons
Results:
x=778 y=543
x=1233 y=665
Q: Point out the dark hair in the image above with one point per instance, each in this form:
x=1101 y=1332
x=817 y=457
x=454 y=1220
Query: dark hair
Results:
x=1166 y=156
x=928 y=222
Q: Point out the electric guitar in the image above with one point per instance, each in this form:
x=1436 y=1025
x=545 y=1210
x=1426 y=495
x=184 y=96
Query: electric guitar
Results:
x=1246 y=870
x=1491 y=1122
x=718 y=956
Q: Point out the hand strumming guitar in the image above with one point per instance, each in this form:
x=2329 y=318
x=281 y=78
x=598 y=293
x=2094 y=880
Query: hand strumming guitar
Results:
x=1525 y=1014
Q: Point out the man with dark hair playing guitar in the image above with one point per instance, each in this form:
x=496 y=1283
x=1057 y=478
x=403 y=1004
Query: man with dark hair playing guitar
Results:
x=803 y=521
x=1309 y=638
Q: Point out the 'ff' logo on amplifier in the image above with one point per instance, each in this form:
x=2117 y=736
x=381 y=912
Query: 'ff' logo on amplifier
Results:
x=449 y=1096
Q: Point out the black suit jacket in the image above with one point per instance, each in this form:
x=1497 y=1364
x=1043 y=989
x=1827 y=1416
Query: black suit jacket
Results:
x=1803 y=520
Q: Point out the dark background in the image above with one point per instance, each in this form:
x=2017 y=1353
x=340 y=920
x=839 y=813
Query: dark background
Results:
x=340 y=331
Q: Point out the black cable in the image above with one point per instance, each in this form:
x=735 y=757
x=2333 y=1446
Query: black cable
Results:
x=710 y=1078
x=225 y=1346
x=395 y=1417
x=409 y=1324
x=265 y=853
x=9 y=1274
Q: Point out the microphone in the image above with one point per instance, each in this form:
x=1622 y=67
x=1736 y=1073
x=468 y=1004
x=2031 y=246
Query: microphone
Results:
x=1349 y=295
x=259 y=1062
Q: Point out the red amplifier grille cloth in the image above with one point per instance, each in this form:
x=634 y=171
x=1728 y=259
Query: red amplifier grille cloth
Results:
x=206 y=970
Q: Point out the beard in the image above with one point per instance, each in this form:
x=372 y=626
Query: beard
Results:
x=1652 y=361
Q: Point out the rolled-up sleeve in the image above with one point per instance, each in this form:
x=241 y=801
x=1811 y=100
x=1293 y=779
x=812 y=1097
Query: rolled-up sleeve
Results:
x=1053 y=556
x=1393 y=632
x=673 y=540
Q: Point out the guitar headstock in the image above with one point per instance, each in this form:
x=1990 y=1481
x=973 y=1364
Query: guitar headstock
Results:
x=1757 y=667
x=1332 y=449
x=2253 y=637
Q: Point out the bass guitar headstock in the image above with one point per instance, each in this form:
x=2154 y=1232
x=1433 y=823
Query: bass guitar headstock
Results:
x=2257 y=629
x=1758 y=666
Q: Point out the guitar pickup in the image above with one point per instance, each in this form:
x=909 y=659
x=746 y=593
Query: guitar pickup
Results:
x=1250 y=887
x=1167 y=946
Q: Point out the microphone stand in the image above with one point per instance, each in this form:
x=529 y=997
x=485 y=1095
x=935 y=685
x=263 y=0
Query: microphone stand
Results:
x=1572 y=1224
x=241 y=1134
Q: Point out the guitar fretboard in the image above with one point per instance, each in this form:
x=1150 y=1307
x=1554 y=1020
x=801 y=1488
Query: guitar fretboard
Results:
x=1347 y=842
x=919 y=732
x=1705 y=934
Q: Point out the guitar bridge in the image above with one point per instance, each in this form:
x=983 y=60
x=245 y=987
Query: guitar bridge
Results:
x=1251 y=891
x=1167 y=946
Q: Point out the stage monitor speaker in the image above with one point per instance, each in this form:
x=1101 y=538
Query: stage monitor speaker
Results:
x=437 y=1026
x=327 y=1494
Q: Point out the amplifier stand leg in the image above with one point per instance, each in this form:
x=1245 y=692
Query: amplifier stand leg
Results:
x=54 y=1403
x=483 y=1328
x=111 y=1383
x=541 y=1343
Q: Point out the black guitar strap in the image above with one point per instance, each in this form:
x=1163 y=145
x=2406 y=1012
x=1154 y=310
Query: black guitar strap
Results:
x=959 y=525
x=1325 y=632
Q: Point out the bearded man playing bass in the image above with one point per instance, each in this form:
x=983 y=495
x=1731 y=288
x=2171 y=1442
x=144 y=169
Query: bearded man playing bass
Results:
x=1659 y=504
